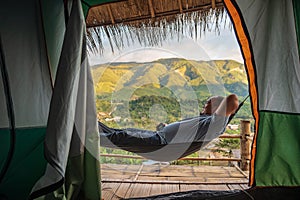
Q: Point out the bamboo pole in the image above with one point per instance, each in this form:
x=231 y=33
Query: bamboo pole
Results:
x=151 y=8
x=108 y=180
x=230 y=136
x=110 y=14
x=245 y=145
x=213 y=4
x=180 y=6
x=185 y=158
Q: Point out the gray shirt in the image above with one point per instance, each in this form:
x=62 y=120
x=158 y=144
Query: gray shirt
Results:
x=201 y=128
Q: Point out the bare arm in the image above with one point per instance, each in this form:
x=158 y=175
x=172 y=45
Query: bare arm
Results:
x=228 y=105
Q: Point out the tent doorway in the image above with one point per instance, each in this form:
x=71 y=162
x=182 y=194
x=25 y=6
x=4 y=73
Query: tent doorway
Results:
x=142 y=86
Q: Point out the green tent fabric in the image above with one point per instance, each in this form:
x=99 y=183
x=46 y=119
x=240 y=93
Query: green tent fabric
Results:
x=47 y=104
x=25 y=101
x=267 y=34
x=87 y=4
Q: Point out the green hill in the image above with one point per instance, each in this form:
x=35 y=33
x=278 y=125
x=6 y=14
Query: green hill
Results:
x=171 y=73
x=119 y=84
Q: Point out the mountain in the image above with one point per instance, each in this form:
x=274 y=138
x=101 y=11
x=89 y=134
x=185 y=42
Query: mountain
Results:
x=165 y=90
x=170 y=76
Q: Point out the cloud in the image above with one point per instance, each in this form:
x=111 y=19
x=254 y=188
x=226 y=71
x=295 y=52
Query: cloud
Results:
x=223 y=46
x=210 y=47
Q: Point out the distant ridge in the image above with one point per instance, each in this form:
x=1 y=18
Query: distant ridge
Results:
x=204 y=77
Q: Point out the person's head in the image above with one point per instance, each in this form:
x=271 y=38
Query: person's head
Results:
x=211 y=105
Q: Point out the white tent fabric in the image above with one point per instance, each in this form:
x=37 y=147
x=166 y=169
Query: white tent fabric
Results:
x=28 y=73
x=275 y=53
x=72 y=119
x=3 y=110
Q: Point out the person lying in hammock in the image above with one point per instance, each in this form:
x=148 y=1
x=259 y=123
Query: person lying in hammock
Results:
x=210 y=124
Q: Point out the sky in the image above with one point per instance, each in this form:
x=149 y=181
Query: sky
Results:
x=211 y=46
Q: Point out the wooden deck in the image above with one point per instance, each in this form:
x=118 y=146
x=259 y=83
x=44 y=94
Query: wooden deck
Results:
x=127 y=181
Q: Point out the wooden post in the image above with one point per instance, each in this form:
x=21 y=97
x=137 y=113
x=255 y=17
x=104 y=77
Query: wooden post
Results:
x=245 y=145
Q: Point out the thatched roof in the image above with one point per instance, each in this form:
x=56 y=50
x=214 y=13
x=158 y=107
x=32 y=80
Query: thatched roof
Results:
x=150 y=21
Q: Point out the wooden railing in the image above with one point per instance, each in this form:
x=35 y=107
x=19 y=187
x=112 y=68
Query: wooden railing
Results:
x=245 y=148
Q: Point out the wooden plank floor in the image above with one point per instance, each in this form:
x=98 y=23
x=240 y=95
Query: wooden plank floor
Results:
x=127 y=181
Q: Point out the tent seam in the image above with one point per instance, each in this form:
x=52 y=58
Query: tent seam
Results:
x=45 y=43
x=10 y=113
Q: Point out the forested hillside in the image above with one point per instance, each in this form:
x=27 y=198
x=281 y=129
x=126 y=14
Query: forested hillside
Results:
x=143 y=94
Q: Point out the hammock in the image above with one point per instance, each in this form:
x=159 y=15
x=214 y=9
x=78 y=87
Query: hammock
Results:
x=146 y=144
x=150 y=144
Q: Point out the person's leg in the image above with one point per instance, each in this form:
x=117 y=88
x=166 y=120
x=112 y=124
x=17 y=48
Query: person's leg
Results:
x=228 y=106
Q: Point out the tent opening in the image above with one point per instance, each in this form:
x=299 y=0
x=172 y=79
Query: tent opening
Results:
x=144 y=82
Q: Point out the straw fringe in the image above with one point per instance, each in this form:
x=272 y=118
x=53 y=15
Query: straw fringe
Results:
x=153 y=31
